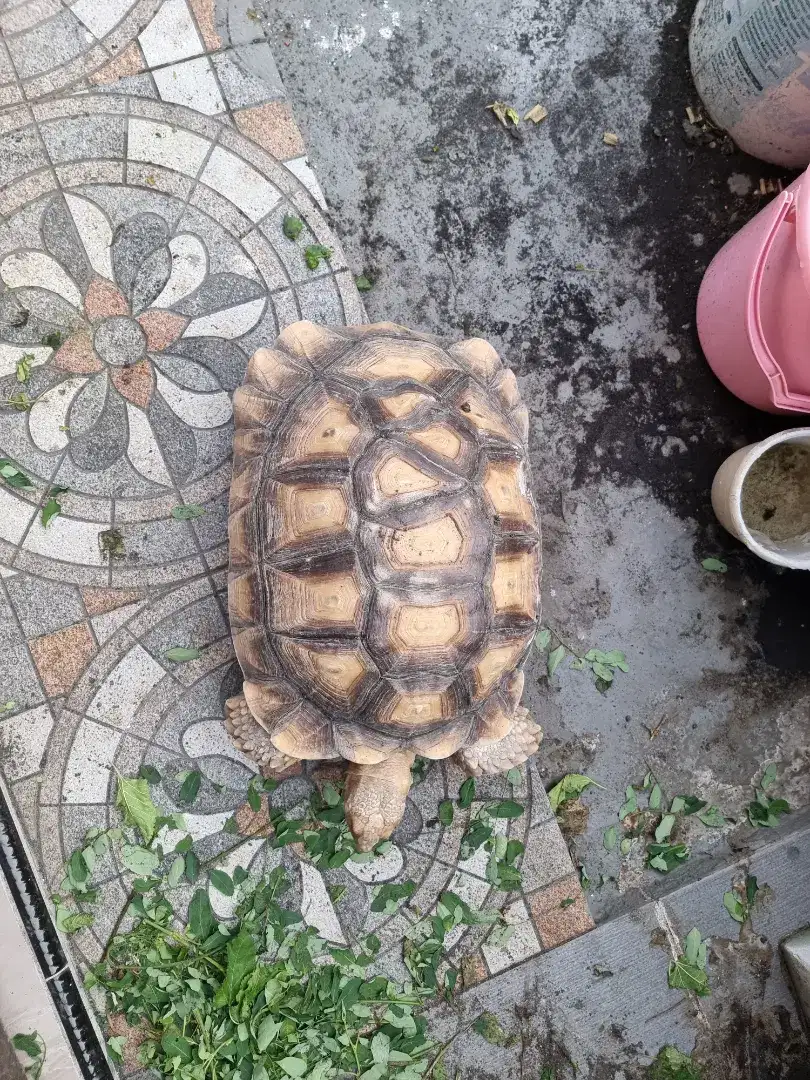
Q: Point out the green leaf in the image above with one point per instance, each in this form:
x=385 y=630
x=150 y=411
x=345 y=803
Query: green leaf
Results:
x=28 y=1044
x=686 y=976
x=733 y=906
x=712 y=817
x=466 y=794
x=51 y=509
x=176 y=1046
x=630 y=804
x=268 y=1029
x=336 y=892
x=176 y=871
x=292 y=227
x=387 y=897
x=542 y=639
x=692 y=943
x=190 y=787
x=135 y=799
x=192 y=867
x=671 y=1064
x=678 y=804
x=665 y=828
x=655 y=798
x=570 y=787
x=181 y=655
x=380 y=1048
x=23 y=369
x=241 y=961
x=666 y=857
x=363 y=283
x=331 y=795
x=222 y=882
x=150 y=774
x=609 y=838
x=254 y=799
x=446 y=812
x=52 y=340
x=293 y=1066
x=768 y=777
x=555 y=658
x=751 y=889
x=692 y=804
x=506 y=808
x=625 y=846
x=14 y=476
x=315 y=253
x=489 y=1028
x=716 y=565
x=138 y=859
x=201 y=921
x=603 y=672
x=514 y=777
x=187 y=512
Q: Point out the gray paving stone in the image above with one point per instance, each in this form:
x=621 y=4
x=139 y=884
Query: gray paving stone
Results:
x=20 y=153
x=248 y=75
x=48 y=45
x=20 y=680
x=43 y=606
x=70 y=139
x=320 y=301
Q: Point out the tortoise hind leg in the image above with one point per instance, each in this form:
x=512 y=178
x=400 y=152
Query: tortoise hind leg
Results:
x=249 y=736
x=500 y=755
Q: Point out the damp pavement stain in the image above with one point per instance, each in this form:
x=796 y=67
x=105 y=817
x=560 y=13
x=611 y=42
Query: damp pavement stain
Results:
x=581 y=263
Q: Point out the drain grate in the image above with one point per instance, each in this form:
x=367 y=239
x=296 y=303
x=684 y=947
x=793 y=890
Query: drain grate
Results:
x=49 y=952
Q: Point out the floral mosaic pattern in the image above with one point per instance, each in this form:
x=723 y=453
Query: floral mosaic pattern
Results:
x=126 y=306
x=137 y=286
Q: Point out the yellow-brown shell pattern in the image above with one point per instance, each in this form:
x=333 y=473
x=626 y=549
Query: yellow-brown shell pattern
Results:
x=384 y=543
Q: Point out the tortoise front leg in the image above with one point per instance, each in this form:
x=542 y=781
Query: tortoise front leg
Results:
x=500 y=755
x=375 y=797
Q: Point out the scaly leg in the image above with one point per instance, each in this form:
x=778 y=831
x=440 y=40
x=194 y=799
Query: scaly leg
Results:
x=500 y=755
x=250 y=737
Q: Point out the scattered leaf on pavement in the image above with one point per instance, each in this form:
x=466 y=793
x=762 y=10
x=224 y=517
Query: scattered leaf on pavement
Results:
x=181 y=655
x=717 y=566
x=537 y=113
x=504 y=113
x=570 y=787
x=292 y=227
x=610 y=139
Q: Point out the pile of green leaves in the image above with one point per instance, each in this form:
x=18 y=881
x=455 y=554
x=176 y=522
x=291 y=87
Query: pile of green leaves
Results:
x=264 y=998
x=602 y=665
x=656 y=826
x=503 y=853
x=424 y=943
x=33 y=1046
x=765 y=812
x=688 y=971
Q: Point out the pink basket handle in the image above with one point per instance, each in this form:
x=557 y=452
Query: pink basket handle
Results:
x=782 y=397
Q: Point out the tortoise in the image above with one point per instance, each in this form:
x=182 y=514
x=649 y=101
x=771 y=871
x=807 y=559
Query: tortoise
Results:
x=384 y=560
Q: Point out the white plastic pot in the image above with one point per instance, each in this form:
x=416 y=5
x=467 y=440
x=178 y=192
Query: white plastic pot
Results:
x=727 y=503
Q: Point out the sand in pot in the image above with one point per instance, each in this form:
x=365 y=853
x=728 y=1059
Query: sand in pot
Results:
x=776 y=492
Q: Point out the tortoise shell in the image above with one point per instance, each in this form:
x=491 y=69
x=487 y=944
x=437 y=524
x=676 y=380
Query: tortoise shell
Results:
x=384 y=544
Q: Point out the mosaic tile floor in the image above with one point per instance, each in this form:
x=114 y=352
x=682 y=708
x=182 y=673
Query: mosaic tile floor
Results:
x=147 y=159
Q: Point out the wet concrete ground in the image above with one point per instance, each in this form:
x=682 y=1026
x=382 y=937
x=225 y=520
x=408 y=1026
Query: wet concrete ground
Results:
x=466 y=229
